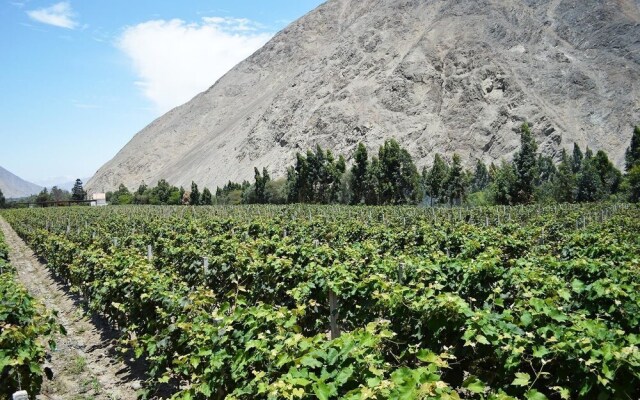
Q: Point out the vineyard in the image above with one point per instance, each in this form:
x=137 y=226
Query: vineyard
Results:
x=26 y=332
x=306 y=302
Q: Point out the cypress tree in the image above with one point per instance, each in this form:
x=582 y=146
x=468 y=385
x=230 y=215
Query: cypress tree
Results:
x=576 y=159
x=589 y=186
x=504 y=178
x=564 y=182
x=546 y=168
x=526 y=167
x=302 y=188
x=207 y=197
x=407 y=190
x=373 y=187
x=480 y=177
x=398 y=174
x=456 y=188
x=359 y=174
x=632 y=155
x=437 y=179
x=260 y=185
x=194 y=197
x=334 y=170
x=292 y=185
x=610 y=176
x=633 y=181
x=389 y=156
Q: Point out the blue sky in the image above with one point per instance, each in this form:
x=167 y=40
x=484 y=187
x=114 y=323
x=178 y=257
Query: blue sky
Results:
x=79 y=78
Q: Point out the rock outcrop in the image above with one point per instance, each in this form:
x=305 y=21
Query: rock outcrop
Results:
x=438 y=75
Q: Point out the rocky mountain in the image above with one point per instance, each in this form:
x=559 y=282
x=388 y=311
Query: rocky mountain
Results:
x=14 y=187
x=438 y=75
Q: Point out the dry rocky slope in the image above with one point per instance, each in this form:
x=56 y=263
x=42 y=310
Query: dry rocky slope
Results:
x=438 y=75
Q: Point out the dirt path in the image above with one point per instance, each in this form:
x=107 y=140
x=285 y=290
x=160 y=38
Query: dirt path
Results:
x=84 y=364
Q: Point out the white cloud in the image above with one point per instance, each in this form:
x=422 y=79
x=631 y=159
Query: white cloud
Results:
x=59 y=14
x=175 y=60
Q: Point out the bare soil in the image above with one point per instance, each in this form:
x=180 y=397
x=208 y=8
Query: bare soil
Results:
x=85 y=363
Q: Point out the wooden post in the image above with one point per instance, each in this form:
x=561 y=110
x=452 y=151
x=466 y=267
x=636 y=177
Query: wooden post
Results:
x=333 y=317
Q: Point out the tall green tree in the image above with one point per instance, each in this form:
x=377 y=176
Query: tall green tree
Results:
x=359 y=174
x=194 y=197
x=437 y=179
x=456 y=185
x=633 y=183
x=3 y=201
x=610 y=176
x=316 y=163
x=632 y=155
x=525 y=164
x=564 y=182
x=589 y=187
x=546 y=169
x=576 y=159
x=207 y=197
x=503 y=181
x=291 y=185
x=78 y=193
x=373 y=186
x=330 y=173
x=260 y=185
x=302 y=180
x=398 y=174
x=480 y=177
x=316 y=177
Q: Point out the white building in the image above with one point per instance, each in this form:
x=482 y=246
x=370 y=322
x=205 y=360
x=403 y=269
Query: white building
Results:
x=98 y=199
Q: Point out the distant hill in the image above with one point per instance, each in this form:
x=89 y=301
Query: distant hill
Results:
x=14 y=187
x=437 y=75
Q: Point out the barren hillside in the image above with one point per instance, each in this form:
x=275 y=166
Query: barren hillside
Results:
x=438 y=75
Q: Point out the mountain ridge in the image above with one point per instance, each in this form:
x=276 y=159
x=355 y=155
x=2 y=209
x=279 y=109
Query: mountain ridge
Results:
x=14 y=187
x=438 y=76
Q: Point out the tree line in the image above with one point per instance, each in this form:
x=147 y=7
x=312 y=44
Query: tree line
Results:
x=390 y=177
x=55 y=195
